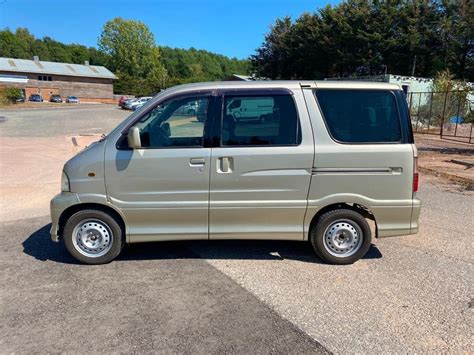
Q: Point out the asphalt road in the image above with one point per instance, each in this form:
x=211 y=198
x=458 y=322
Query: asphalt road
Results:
x=409 y=294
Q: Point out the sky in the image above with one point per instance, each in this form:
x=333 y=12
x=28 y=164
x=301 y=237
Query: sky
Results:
x=232 y=28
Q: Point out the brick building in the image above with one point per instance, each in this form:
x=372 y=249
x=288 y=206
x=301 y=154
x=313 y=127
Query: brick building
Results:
x=87 y=82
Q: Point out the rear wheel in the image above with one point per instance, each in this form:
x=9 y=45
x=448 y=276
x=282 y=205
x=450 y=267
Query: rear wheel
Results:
x=93 y=236
x=341 y=236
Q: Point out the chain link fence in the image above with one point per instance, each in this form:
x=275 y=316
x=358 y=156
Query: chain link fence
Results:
x=449 y=114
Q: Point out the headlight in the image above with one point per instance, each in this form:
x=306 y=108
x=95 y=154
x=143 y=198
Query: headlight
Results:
x=65 y=187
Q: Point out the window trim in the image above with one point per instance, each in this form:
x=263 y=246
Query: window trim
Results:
x=219 y=117
x=121 y=143
x=403 y=137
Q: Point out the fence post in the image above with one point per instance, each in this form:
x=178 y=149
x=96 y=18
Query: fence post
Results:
x=442 y=115
x=431 y=111
x=457 y=114
x=418 y=110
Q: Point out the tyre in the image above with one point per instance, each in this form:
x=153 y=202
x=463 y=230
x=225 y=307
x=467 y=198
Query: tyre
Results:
x=93 y=236
x=340 y=236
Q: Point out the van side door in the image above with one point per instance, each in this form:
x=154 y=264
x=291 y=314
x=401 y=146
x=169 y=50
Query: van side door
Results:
x=260 y=166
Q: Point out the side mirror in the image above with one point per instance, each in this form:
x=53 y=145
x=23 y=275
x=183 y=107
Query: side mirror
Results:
x=133 y=138
x=166 y=128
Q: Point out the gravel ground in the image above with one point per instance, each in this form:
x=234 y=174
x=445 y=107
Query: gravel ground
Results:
x=409 y=294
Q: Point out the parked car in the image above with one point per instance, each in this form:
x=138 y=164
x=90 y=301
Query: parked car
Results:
x=126 y=102
x=139 y=102
x=35 y=98
x=334 y=156
x=121 y=101
x=72 y=100
x=136 y=107
x=55 y=98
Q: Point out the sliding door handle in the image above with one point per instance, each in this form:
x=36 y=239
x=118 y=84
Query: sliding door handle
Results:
x=225 y=165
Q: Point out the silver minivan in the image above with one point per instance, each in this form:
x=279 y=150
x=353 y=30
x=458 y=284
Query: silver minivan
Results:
x=318 y=162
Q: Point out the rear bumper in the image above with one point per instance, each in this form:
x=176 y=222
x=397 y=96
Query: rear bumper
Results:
x=397 y=220
x=415 y=216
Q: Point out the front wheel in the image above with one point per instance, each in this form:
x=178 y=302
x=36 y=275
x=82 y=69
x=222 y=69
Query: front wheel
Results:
x=341 y=236
x=93 y=236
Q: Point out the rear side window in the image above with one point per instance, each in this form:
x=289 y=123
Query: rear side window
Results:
x=260 y=121
x=360 y=116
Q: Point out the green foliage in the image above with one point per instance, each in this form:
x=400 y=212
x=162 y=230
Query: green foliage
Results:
x=9 y=95
x=362 y=37
x=192 y=65
x=449 y=99
x=23 y=45
x=128 y=49
x=132 y=53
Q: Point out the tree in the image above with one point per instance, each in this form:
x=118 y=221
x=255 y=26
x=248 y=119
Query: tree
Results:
x=367 y=37
x=449 y=98
x=175 y=65
x=132 y=51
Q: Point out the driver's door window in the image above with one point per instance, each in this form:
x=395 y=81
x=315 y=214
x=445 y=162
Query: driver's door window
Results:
x=176 y=123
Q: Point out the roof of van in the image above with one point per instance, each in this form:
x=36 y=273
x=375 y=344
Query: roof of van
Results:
x=290 y=84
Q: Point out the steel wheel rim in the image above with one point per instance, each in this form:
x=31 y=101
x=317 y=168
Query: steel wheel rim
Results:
x=92 y=238
x=343 y=238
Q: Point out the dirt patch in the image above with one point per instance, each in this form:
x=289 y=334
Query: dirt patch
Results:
x=30 y=171
x=442 y=158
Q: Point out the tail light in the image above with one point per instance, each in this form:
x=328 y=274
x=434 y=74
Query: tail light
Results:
x=415 y=176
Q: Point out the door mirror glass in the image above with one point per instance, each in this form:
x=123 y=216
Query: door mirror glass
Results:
x=165 y=126
x=133 y=138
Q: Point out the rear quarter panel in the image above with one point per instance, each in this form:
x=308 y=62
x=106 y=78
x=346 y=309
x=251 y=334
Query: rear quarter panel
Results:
x=376 y=176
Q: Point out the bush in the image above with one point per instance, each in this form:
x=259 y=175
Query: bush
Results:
x=13 y=94
x=449 y=98
x=9 y=95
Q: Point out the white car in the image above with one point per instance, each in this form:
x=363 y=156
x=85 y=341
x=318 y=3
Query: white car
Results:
x=139 y=102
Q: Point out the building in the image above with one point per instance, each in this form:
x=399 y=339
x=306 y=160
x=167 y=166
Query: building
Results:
x=87 y=82
x=407 y=83
x=418 y=90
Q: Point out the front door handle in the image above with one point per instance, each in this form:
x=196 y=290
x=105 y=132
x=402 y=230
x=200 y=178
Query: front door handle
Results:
x=197 y=162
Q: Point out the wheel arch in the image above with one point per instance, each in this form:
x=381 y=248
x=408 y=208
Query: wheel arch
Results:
x=68 y=212
x=356 y=207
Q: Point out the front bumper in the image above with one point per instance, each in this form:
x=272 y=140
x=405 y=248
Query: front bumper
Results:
x=58 y=205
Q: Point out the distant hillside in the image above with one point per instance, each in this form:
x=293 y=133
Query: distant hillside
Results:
x=182 y=65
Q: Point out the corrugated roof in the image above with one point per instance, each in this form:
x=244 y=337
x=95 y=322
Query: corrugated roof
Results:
x=42 y=67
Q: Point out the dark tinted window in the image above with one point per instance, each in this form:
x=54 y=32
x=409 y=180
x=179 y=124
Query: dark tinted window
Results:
x=360 y=116
x=260 y=120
